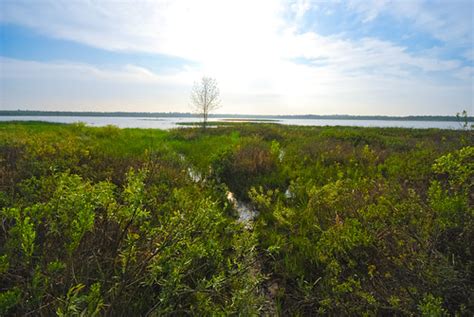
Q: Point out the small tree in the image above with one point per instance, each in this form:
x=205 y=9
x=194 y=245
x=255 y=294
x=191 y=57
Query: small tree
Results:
x=205 y=98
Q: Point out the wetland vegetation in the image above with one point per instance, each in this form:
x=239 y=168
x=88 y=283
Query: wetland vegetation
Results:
x=349 y=221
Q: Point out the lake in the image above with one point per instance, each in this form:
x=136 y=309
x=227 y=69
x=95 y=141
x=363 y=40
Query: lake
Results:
x=173 y=122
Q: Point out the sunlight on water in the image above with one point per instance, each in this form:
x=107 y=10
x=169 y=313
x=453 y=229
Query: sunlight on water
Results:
x=174 y=122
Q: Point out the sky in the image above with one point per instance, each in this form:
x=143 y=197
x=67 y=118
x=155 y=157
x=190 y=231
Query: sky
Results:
x=359 y=57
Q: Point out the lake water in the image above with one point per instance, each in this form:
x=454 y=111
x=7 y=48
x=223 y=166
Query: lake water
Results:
x=173 y=122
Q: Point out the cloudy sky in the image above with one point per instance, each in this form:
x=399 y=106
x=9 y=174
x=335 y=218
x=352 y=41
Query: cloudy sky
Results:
x=399 y=57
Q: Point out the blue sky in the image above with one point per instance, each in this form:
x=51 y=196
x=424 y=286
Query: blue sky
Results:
x=269 y=57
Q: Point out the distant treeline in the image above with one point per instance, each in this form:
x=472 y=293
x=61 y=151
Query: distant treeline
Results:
x=190 y=115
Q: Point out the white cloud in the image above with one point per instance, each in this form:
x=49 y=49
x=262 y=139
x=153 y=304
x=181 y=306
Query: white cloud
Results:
x=450 y=21
x=370 y=9
x=469 y=54
x=81 y=87
x=249 y=46
x=300 y=7
x=70 y=86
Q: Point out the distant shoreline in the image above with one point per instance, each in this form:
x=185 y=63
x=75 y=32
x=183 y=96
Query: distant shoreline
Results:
x=228 y=116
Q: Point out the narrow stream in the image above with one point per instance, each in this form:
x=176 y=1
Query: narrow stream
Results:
x=246 y=215
x=245 y=211
x=194 y=175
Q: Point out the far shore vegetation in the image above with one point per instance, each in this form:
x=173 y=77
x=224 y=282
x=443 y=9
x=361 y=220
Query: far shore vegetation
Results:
x=237 y=116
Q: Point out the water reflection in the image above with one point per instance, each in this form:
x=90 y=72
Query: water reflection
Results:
x=245 y=211
x=174 y=122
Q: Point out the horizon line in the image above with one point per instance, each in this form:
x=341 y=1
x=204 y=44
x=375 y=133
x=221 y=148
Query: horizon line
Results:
x=194 y=114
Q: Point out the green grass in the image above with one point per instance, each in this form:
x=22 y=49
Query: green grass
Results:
x=107 y=221
x=228 y=122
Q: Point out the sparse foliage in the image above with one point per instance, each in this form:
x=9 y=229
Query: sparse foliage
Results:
x=205 y=98
x=463 y=120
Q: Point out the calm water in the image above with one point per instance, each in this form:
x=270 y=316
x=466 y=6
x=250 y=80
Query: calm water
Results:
x=169 y=123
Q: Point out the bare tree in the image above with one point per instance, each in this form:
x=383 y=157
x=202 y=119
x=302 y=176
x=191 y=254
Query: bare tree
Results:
x=205 y=98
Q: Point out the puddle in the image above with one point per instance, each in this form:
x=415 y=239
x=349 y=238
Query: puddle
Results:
x=281 y=155
x=194 y=175
x=245 y=211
